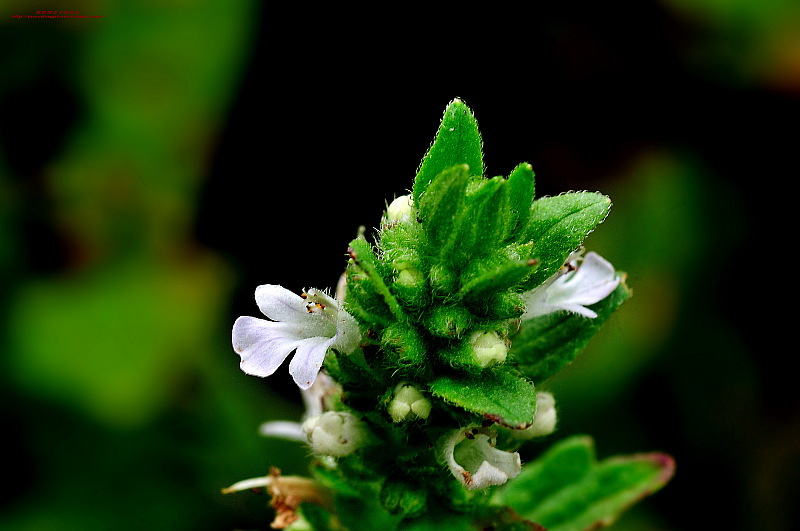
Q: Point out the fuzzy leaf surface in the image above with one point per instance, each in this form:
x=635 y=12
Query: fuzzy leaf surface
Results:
x=457 y=141
x=442 y=205
x=501 y=277
x=557 y=226
x=566 y=489
x=489 y=214
x=366 y=287
x=521 y=188
x=545 y=344
x=499 y=395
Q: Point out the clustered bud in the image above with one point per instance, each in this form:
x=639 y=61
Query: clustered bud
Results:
x=408 y=403
x=334 y=433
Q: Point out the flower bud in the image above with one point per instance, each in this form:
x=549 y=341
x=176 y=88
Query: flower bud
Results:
x=403 y=345
x=334 y=433
x=408 y=403
x=400 y=210
x=545 y=421
x=409 y=276
x=488 y=348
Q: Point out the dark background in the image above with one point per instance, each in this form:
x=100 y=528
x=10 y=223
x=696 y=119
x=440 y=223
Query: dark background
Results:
x=160 y=162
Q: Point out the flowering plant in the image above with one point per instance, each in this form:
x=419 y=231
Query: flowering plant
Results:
x=421 y=372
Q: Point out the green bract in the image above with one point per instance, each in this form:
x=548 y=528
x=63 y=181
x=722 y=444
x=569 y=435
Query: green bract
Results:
x=470 y=294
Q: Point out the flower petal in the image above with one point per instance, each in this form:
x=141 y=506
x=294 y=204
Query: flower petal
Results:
x=348 y=333
x=307 y=361
x=262 y=345
x=594 y=280
x=280 y=304
x=283 y=429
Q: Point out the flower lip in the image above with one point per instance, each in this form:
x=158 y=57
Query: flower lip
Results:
x=583 y=281
x=473 y=460
x=307 y=324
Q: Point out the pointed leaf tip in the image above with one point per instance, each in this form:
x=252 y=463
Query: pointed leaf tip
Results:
x=457 y=141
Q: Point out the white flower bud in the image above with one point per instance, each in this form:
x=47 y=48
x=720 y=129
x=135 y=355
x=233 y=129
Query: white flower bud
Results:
x=488 y=348
x=400 y=210
x=545 y=421
x=409 y=276
x=334 y=433
x=473 y=460
x=408 y=403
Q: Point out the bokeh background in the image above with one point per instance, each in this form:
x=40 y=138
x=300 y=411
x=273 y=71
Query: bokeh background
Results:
x=160 y=161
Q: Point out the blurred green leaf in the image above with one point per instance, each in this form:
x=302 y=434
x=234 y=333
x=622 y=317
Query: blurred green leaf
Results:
x=567 y=490
x=545 y=344
x=112 y=343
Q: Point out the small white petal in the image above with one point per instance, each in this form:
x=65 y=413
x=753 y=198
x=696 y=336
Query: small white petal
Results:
x=348 y=333
x=317 y=295
x=262 y=345
x=283 y=429
x=488 y=474
x=544 y=423
x=594 y=280
x=307 y=361
x=280 y=304
x=576 y=308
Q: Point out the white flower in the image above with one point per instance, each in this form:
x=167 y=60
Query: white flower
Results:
x=573 y=289
x=309 y=324
x=473 y=460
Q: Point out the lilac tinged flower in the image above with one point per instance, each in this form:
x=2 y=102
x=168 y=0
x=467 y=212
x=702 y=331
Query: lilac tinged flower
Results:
x=582 y=282
x=307 y=324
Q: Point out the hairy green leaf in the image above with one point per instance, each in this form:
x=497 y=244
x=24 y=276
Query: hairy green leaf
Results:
x=442 y=205
x=499 y=395
x=545 y=344
x=493 y=280
x=457 y=141
x=489 y=215
x=557 y=226
x=566 y=489
x=521 y=188
x=364 y=279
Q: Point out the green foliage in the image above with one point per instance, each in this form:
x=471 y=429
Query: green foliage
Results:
x=458 y=141
x=500 y=396
x=558 y=225
x=567 y=490
x=440 y=297
x=544 y=345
